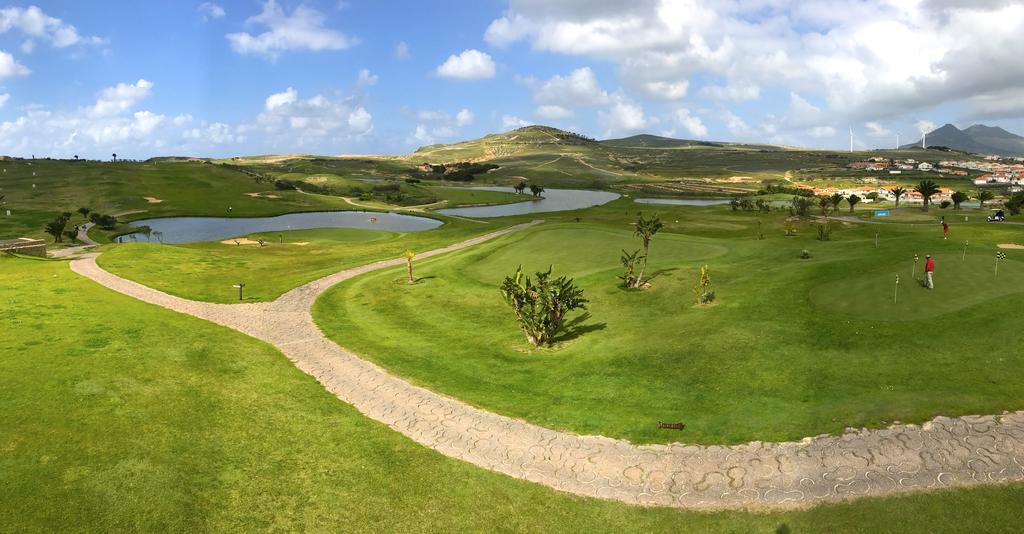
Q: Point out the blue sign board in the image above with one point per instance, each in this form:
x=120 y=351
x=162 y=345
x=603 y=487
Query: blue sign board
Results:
x=881 y=213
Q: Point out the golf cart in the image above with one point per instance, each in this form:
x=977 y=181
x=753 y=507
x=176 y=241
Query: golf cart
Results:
x=997 y=216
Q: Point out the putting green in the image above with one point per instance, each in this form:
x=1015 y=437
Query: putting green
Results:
x=959 y=284
x=790 y=348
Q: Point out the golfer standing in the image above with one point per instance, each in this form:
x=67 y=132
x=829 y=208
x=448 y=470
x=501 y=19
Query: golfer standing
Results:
x=929 y=268
x=945 y=230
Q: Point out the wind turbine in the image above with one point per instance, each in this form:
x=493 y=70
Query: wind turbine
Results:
x=897 y=141
x=924 y=138
x=851 y=139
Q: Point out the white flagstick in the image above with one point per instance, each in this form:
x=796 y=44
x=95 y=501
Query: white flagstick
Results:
x=965 y=250
x=896 y=290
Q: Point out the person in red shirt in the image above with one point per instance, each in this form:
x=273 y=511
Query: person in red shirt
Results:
x=929 y=268
x=945 y=230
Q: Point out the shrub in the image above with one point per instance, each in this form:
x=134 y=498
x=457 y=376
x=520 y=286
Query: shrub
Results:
x=703 y=288
x=540 y=307
x=825 y=231
x=945 y=204
x=805 y=254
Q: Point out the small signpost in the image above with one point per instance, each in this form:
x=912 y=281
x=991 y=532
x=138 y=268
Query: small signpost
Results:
x=239 y=285
x=965 y=250
x=999 y=256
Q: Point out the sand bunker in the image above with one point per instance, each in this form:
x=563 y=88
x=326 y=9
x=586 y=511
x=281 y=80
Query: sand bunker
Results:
x=262 y=195
x=153 y=200
x=247 y=241
x=1010 y=245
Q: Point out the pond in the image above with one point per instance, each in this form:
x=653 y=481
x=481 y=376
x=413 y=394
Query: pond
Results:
x=684 y=201
x=192 y=229
x=554 y=200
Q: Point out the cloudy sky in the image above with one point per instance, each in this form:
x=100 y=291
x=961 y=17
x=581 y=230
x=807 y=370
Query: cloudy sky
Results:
x=219 y=78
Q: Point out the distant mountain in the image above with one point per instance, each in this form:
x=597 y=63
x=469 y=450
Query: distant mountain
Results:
x=979 y=139
x=654 y=141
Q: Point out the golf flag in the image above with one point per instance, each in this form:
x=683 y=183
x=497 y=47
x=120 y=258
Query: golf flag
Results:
x=1000 y=255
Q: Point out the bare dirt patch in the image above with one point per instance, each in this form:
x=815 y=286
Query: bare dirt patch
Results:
x=153 y=200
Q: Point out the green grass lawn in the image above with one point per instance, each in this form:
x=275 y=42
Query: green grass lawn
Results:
x=122 y=416
x=206 y=271
x=791 y=347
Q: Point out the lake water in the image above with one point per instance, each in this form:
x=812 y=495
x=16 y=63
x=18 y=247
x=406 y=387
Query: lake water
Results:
x=192 y=229
x=683 y=201
x=554 y=200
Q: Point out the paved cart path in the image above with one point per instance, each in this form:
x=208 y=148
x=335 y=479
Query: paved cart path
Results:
x=945 y=452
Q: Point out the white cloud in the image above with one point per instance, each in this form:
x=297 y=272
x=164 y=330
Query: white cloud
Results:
x=663 y=90
x=4 y=98
x=120 y=98
x=366 y=78
x=210 y=10
x=693 y=125
x=553 y=112
x=819 y=132
x=301 y=30
x=579 y=88
x=401 y=51
x=737 y=126
x=732 y=92
x=862 y=61
x=36 y=24
x=277 y=100
x=113 y=123
x=469 y=65
x=9 y=67
x=624 y=115
x=27 y=46
x=876 y=129
x=464 y=117
x=360 y=121
x=511 y=122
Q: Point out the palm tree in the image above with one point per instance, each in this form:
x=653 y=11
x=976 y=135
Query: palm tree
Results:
x=824 y=203
x=835 y=199
x=983 y=196
x=115 y=157
x=645 y=230
x=409 y=255
x=84 y=212
x=853 y=200
x=927 y=189
x=520 y=187
x=536 y=190
x=958 y=198
x=898 y=192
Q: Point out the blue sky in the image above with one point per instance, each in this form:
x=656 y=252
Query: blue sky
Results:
x=358 y=76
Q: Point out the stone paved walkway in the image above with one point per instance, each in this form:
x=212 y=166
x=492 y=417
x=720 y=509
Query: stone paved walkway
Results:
x=945 y=452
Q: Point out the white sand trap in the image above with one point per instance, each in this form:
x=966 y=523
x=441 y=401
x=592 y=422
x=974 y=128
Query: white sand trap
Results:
x=300 y=243
x=241 y=241
x=153 y=200
x=1011 y=246
x=262 y=195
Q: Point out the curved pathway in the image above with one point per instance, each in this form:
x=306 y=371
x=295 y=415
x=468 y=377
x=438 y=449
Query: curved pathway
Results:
x=945 y=452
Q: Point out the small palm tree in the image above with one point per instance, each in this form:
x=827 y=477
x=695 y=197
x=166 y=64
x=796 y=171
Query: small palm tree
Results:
x=958 y=198
x=927 y=189
x=853 y=200
x=115 y=157
x=983 y=196
x=898 y=192
x=824 y=203
x=645 y=230
x=409 y=255
x=835 y=199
